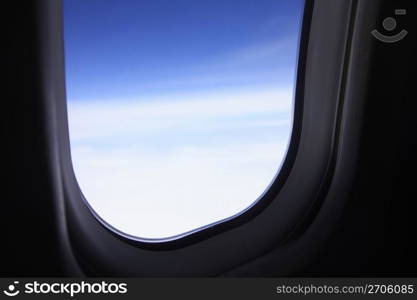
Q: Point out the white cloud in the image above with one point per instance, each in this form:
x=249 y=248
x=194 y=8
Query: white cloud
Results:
x=270 y=50
x=112 y=117
x=190 y=160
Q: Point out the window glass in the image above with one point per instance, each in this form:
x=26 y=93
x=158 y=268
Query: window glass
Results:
x=179 y=110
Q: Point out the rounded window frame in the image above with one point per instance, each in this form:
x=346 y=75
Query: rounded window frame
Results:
x=309 y=159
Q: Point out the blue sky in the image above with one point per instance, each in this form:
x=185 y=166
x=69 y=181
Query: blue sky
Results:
x=122 y=48
x=172 y=99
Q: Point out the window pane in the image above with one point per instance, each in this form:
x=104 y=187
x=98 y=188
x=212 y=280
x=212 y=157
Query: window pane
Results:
x=179 y=110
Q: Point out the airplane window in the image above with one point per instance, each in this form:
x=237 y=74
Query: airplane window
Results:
x=180 y=111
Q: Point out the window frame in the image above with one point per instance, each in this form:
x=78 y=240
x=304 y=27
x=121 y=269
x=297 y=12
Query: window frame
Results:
x=297 y=193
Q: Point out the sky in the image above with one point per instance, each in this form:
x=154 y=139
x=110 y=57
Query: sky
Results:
x=179 y=111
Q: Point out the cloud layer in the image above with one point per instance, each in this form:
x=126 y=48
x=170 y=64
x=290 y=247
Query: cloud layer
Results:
x=159 y=167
